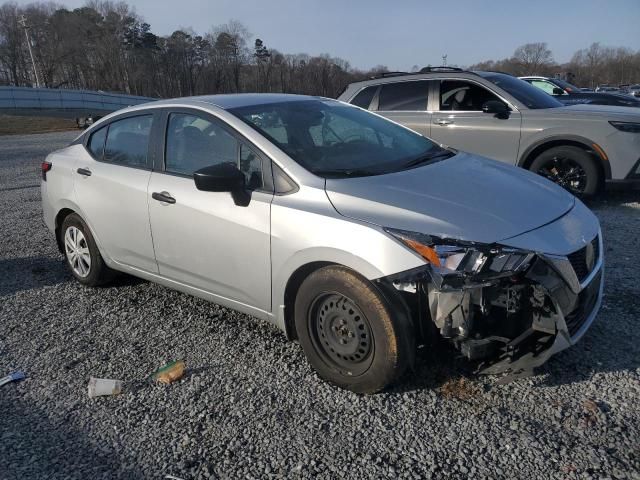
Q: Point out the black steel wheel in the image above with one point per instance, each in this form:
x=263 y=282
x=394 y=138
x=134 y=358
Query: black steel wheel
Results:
x=351 y=334
x=341 y=333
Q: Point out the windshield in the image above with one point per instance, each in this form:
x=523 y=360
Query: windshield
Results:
x=522 y=91
x=331 y=139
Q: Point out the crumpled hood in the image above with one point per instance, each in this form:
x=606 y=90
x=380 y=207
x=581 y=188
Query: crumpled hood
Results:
x=465 y=197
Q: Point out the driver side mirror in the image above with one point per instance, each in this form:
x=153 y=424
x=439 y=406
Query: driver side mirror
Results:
x=499 y=109
x=223 y=177
x=558 y=91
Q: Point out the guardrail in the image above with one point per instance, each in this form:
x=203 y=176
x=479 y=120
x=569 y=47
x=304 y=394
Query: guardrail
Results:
x=53 y=102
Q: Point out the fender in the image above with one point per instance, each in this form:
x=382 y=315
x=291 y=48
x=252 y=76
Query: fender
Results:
x=524 y=157
x=314 y=255
x=68 y=204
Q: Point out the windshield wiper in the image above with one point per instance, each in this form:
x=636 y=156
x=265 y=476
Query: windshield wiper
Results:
x=345 y=172
x=441 y=155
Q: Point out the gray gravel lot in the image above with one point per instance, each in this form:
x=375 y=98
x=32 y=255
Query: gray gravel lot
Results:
x=250 y=406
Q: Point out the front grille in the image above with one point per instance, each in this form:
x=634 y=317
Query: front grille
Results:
x=583 y=261
x=586 y=302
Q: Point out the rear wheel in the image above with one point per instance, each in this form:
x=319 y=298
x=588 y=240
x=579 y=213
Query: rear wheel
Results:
x=570 y=167
x=348 y=332
x=82 y=254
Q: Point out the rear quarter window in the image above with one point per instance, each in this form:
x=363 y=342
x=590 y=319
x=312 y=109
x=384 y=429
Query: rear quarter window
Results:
x=95 y=145
x=364 y=97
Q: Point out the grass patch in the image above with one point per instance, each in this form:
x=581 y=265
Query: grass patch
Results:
x=14 y=125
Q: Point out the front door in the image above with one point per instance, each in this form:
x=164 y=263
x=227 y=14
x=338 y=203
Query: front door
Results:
x=203 y=239
x=460 y=122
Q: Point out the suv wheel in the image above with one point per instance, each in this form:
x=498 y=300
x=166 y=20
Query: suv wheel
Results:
x=570 y=167
x=348 y=332
x=82 y=254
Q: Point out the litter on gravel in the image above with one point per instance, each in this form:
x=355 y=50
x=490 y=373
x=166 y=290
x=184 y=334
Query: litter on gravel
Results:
x=13 y=377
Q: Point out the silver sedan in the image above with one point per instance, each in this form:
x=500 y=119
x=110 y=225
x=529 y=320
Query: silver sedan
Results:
x=355 y=235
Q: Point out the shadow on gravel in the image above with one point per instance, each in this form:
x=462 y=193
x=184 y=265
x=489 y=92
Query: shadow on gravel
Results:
x=32 y=445
x=20 y=274
x=613 y=198
x=437 y=365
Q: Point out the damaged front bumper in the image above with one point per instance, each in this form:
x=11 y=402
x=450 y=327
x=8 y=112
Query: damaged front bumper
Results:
x=509 y=323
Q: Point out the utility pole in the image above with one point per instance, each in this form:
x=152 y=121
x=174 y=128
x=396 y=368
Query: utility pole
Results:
x=444 y=60
x=23 y=23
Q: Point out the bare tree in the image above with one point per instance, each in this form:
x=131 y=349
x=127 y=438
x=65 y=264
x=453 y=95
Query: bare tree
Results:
x=532 y=58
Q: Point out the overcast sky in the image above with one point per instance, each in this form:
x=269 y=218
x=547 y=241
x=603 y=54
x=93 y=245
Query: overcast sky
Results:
x=403 y=33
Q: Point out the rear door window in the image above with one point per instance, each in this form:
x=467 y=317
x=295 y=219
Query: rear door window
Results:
x=128 y=141
x=363 y=99
x=404 y=96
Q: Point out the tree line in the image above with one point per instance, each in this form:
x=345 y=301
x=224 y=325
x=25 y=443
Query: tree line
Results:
x=106 y=46
x=588 y=67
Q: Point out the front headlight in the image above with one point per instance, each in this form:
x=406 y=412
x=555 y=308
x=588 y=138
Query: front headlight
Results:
x=450 y=257
x=630 y=127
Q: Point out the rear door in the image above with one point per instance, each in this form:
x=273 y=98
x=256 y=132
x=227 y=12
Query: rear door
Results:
x=203 y=239
x=406 y=103
x=111 y=185
x=458 y=121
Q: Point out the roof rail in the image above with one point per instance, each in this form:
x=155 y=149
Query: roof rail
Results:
x=389 y=74
x=441 y=69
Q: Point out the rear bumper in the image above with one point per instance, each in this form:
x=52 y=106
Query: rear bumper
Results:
x=48 y=215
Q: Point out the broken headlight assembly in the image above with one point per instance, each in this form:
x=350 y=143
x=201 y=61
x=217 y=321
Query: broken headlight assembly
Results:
x=453 y=258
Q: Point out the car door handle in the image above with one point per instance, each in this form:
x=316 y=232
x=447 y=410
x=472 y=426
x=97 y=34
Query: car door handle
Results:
x=442 y=121
x=84 y=171
x=163 y=197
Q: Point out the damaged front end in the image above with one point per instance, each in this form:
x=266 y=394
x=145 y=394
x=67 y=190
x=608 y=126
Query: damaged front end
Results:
x=505 y=308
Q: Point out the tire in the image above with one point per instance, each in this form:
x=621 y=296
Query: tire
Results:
x=336 y=305
x=570 y=167
x=81 y=253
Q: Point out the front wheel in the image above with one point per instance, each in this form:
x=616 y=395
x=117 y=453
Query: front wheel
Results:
x=570 y=167
x=348 y=332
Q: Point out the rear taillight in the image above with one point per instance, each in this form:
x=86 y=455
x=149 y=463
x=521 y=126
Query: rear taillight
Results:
x=46 y=166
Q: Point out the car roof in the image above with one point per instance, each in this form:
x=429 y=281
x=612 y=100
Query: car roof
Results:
x=234 y=100
x=437 y=72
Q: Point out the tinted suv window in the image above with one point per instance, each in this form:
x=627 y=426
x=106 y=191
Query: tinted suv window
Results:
x=128 y=141
x=363 y=99
x=408 y=96
x=193 y=142
x=96 y=143
x=465 y=96
x=529 y=95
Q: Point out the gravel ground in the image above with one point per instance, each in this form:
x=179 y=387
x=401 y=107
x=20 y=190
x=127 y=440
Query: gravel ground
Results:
x=250 y=406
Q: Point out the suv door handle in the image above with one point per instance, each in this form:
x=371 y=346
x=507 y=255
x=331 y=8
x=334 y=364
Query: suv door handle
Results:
x=164 y=197
x=84 y=171
x=442 y=121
